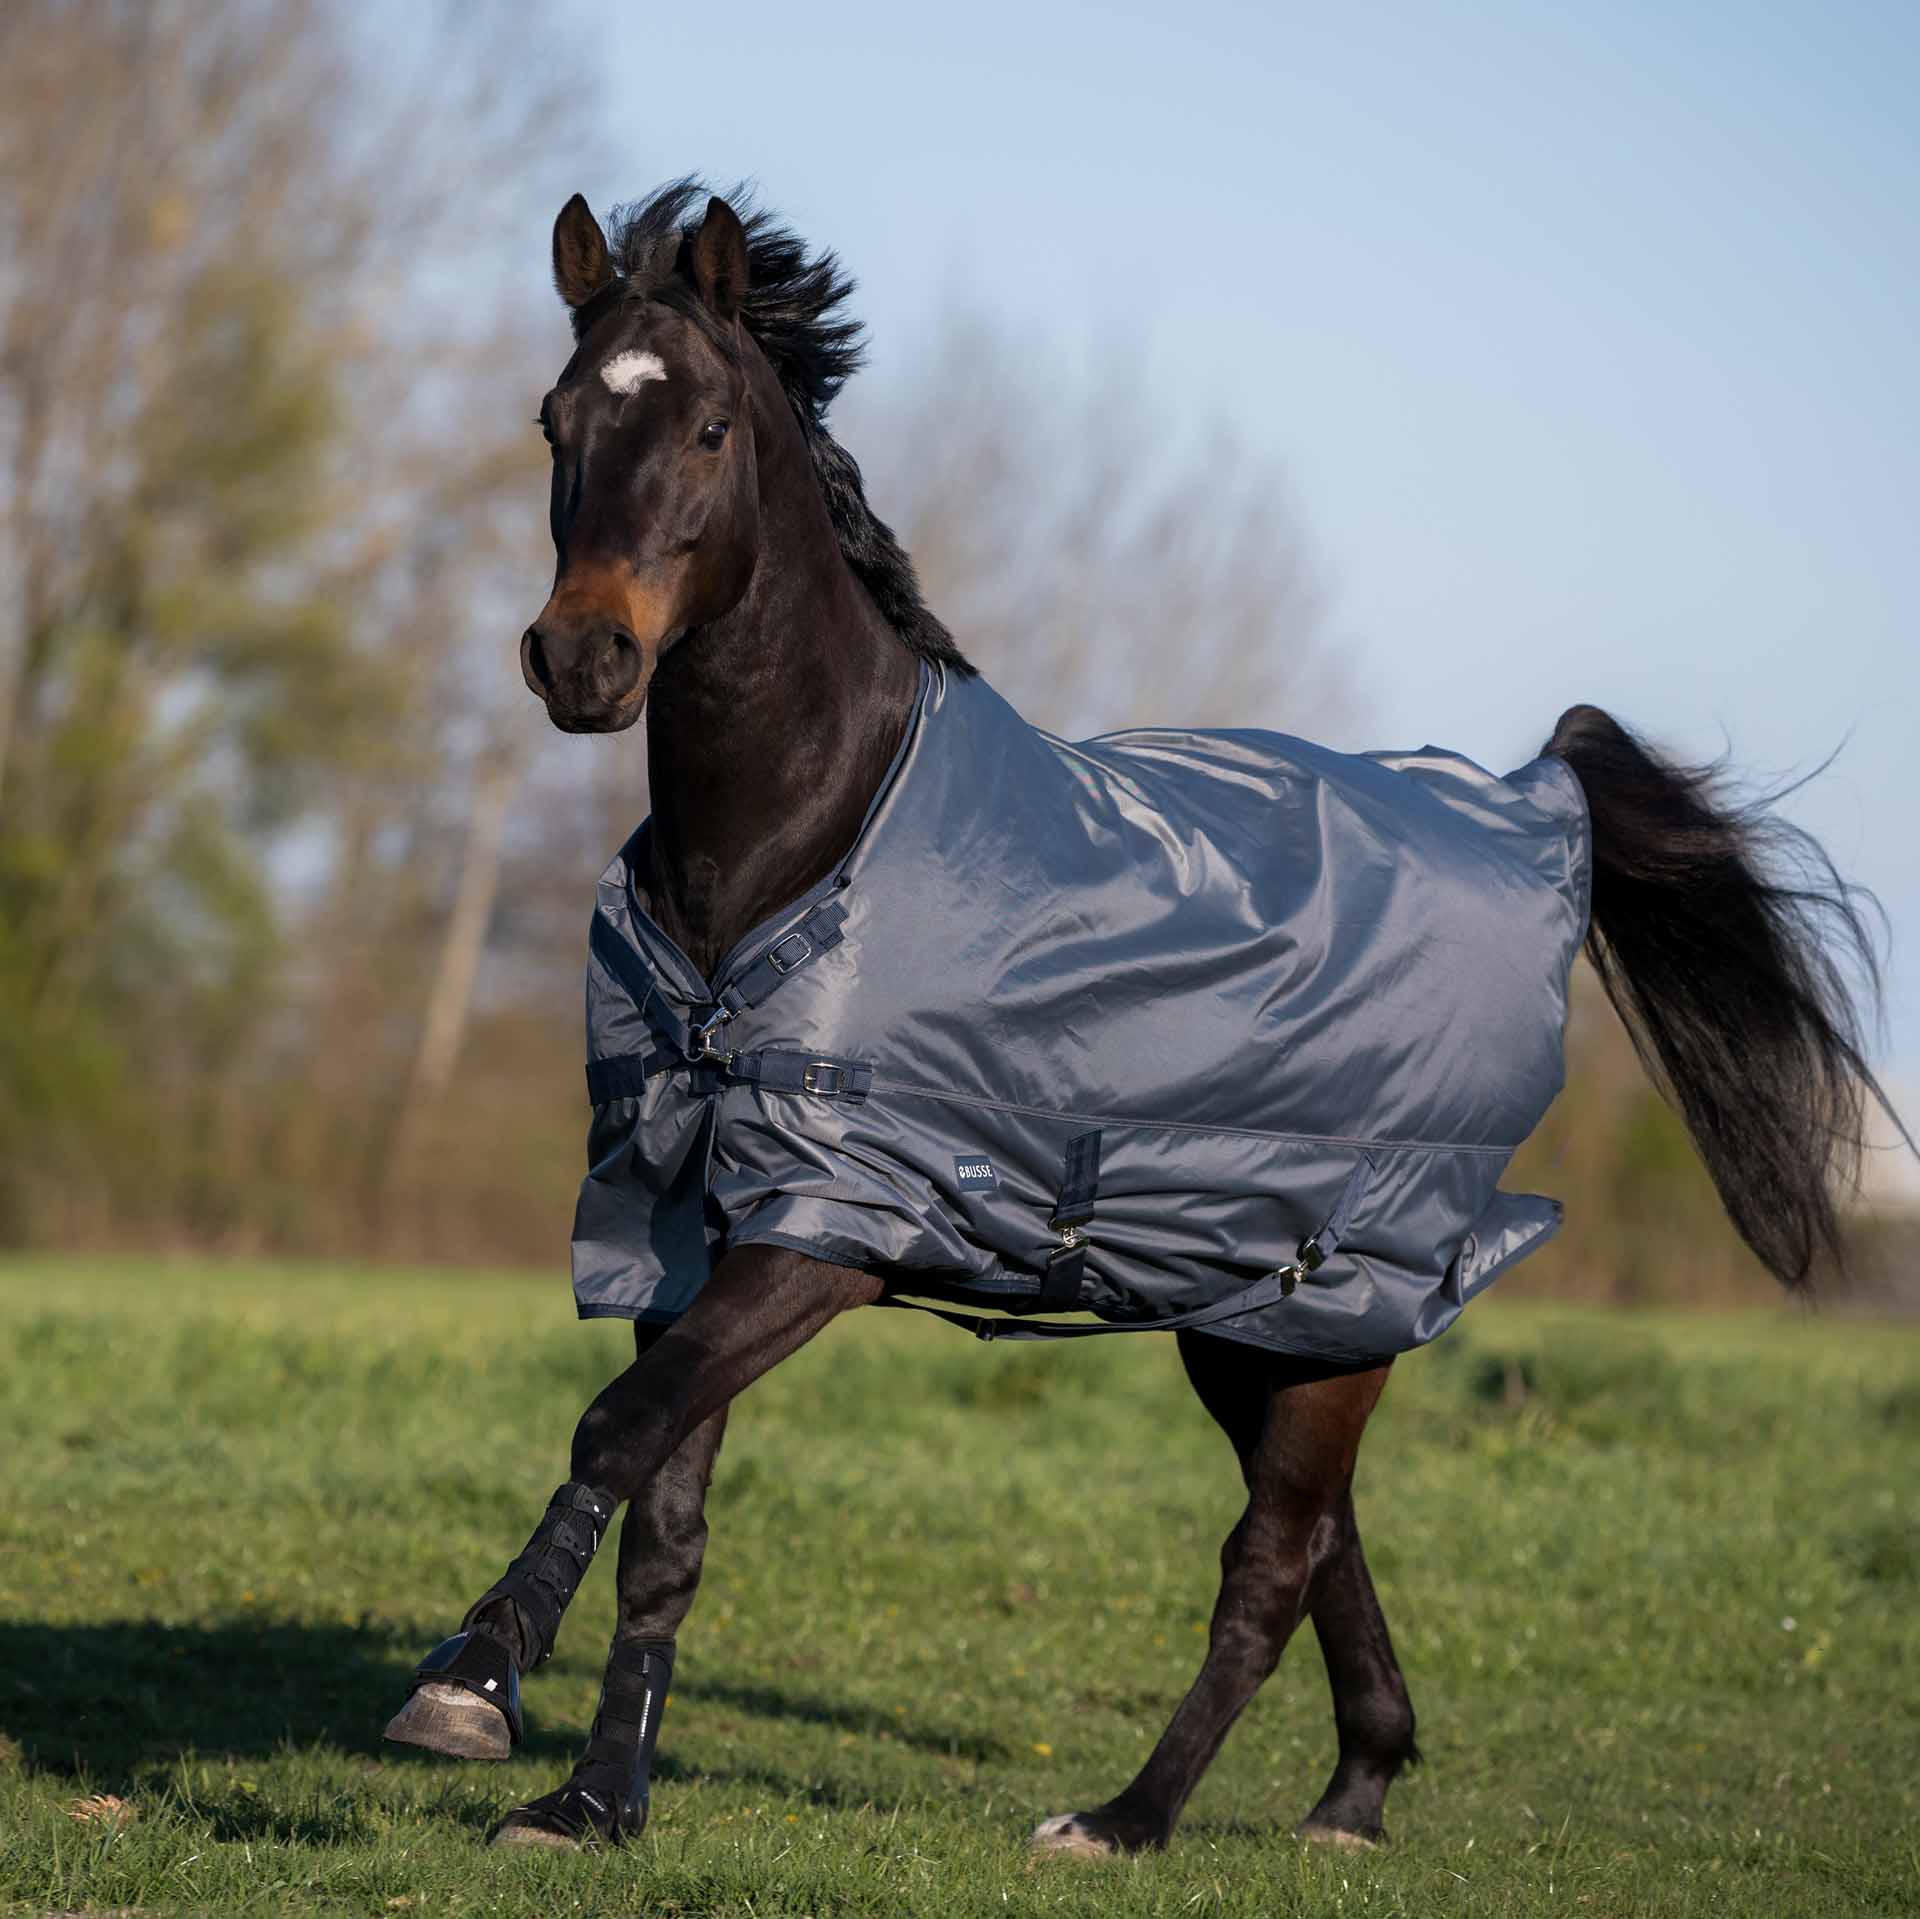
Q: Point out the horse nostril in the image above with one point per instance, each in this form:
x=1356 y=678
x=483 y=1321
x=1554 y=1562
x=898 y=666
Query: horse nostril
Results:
x=620 y=665
x=533 y=656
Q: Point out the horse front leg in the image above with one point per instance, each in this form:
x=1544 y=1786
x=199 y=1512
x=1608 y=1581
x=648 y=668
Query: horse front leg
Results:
x=761 y=1304
x=663 y=1540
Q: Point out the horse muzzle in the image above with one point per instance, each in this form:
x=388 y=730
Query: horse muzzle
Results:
x=593 y=680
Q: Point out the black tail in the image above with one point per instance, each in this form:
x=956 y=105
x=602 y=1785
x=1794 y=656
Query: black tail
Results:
x=1741 y=963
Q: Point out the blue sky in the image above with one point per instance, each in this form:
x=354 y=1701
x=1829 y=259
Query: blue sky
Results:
x=1586 y=333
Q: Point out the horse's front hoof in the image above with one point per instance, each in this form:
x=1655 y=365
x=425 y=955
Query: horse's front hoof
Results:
x=514 y=1830
x=453 y=1721
x=576 y=1818
x=464 y=1701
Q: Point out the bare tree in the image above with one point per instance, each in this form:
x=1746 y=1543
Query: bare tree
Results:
x=1099 y=572
x=253 y=533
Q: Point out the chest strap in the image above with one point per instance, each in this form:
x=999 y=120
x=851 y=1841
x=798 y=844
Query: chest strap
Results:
x=819 y=932
x=698 y=1038
x=824 y=1076
x=625 y=1076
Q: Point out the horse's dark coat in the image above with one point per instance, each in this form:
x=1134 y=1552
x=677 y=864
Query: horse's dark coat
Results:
x=1261 y=974
x=1259 y=967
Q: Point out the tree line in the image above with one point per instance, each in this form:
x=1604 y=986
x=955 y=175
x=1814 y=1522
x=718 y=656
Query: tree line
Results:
x=293 y=876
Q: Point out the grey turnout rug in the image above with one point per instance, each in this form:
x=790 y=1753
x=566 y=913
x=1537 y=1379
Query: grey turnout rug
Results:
x=1170 y=1027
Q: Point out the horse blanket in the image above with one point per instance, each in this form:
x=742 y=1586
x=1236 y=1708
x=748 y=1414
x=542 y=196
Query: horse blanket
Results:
x=1168 y=1027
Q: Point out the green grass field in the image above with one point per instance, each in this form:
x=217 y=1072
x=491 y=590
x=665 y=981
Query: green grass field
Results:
x=1654 y=1581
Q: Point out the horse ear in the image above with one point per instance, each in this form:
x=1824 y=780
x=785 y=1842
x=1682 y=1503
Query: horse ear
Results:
x=581 y=266
x=717 y=255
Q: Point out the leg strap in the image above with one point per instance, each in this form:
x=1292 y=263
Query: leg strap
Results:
x=548 y=1572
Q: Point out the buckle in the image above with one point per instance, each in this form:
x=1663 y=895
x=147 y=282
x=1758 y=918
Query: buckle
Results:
x=823 y=1076
x=702 y=1046
x=785 y=966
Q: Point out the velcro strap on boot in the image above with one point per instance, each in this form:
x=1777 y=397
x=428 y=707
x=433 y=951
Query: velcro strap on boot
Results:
x=619 y=1753
x=480 y=1665
x=543 y=1579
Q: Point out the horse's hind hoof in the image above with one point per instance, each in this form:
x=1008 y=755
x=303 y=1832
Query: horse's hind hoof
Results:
x=1072 y=1836
x=464 y=1701
x=1108 y=1833
x=1340 y=1838
x=451 y=1720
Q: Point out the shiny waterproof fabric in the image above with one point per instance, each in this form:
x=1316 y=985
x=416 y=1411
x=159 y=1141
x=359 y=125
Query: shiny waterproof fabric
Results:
x=1290 y=990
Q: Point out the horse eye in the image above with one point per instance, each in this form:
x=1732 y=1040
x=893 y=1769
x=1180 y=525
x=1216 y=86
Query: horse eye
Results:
x=713 y=434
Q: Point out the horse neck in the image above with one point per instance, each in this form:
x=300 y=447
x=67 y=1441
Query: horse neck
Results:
x=769 y=732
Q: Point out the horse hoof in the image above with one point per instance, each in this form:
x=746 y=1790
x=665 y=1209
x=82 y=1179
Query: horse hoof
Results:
x=453 y=1721
x=507 y=1833
x=574 y=1819
x=1341 y=1839
x=1071 y=1837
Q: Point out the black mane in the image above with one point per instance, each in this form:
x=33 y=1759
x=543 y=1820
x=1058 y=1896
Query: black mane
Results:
x=793 y=309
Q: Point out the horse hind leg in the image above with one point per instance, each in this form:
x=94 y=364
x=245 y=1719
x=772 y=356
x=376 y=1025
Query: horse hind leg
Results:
x=1372 y=1714
x=1296 y=1429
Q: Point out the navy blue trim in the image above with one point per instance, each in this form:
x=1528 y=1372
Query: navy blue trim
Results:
x=1317 y=1248
x=620 y=959
x=769 y=931
x=640 y=1316
x=819 y=932
x=1079 y=1180
x=816 y=1075
x=1065 y=1276
x=624 y=1076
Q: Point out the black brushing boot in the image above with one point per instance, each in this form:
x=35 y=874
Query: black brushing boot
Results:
x=542 y=1581
x=464 y=1699
x=605 y=1801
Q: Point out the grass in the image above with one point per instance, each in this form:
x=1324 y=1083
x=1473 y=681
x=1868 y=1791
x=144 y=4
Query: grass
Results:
x=1654 y=1581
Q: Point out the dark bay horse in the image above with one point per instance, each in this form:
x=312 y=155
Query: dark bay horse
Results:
x=720 y=571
